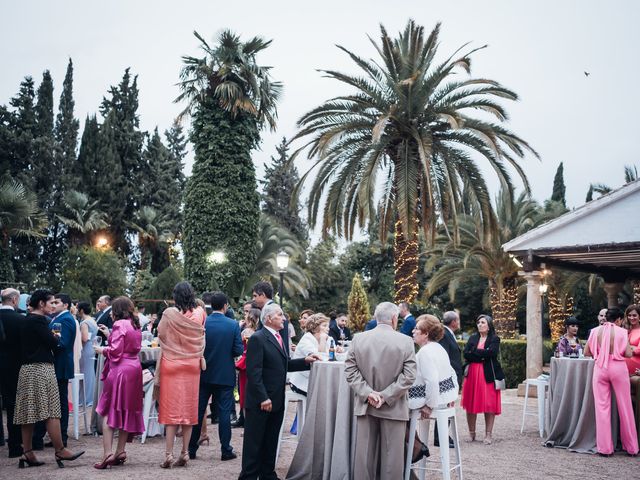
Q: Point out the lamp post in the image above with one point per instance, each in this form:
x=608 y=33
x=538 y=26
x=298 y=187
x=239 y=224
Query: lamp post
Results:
x=282 y=261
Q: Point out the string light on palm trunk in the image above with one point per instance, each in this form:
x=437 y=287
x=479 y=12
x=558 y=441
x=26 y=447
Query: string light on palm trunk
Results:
x=406 y=266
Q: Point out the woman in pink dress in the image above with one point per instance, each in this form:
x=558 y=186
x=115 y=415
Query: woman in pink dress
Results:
x=632 y=322
x=121 y=401
x=608 y=344
x=479 y=394
x=181 y=334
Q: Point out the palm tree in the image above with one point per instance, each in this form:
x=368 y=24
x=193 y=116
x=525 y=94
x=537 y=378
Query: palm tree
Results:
x=153 y=239
x=478 y=254
x=409 y=120
x=230 y=98
x=273 y=238
x=82 y=217
x=19 y=217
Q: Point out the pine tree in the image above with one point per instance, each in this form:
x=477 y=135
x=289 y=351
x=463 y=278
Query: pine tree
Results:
x=128 y=140
x=177 y=145
x=88 y=157
x=359 y=312
x=66 y=134
x=558 y=194
x=281 y=179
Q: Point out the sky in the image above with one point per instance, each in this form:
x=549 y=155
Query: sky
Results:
x=540 y=49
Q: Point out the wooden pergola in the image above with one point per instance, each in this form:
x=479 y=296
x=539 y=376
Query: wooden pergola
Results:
x=602 y=237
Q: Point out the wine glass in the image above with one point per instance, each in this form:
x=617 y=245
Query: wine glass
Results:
x=96 y=342
x=56 y=328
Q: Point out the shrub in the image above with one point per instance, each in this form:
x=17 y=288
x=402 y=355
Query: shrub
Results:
x=162 y=287
x=89 y=273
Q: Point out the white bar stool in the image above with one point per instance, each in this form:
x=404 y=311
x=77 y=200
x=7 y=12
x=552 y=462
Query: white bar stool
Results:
x=147 y=407
x=447 y=427
x=301 y=407
x=541 y=386
x=75 y=401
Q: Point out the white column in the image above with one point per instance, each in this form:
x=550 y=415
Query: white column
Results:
x=613 y=289
x=534 y=323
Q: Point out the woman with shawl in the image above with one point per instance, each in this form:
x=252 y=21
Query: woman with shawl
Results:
x=181 y=335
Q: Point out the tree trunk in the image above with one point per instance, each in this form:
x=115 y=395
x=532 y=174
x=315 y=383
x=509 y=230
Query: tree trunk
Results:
x=405 y=256
x=504 y=304
x=560 y=308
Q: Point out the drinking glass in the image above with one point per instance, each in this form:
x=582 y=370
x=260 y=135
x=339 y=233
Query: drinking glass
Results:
x=96 y=342
x=56 y=328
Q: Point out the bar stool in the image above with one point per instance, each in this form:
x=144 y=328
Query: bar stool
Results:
x=301 y=407
x=147 y=413
x=541 y=386
x=75 y=401
x=447 y=426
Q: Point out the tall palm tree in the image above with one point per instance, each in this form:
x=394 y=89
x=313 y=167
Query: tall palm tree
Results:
x=480 y=255
x=409 y=120
x=19 y=217
x=153 y=238
x=81 y=216
x=230 y=98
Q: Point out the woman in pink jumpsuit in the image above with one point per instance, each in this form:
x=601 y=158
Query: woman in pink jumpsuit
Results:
x=609 y=346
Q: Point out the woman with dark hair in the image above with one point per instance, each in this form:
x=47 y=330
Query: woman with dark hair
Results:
x=569 y=344
x=88 y=331
x=479 y=392
x=181 y=335
x=609 y=345
x=38 y=398
x=121 y=401
x=251 y=325
x=632 y=322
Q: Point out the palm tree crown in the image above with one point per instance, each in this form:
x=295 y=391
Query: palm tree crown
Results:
x=229 y=74
x=409 y=119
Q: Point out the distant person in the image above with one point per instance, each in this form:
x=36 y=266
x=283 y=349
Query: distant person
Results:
x=103 y=314
x=380 y=368
x=88 y=332
x=312 y=342
x=608 y=344
x=304 y=315
x=371 y=324
x=142 y=318
x=569 y=344
x=632 y=321
x=251 y=320
x=262 y=293
x=340 y=331
x=408 y=320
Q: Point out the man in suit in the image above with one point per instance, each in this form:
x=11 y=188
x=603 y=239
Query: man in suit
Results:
x=371 y=324
x=340 y=328
x=380 y=368
x=62 y=362
x=262 y=293
x=103 y=314
x=408 y=320
x=223 y=344
x=451 y=321
x=11 y=323
x=267 y=365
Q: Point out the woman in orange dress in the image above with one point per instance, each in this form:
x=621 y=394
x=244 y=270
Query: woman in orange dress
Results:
x=632 y=322
x=181 y=335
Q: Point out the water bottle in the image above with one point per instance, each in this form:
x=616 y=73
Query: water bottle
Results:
x=332 y=350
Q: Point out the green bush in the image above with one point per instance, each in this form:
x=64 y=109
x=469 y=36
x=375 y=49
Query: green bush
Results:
x=162 y=287
x=90 y=272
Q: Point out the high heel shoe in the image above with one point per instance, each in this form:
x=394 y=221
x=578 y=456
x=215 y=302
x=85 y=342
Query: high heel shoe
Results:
x=120 y=458
x=487 y=439
x=106 y=462
x=25 y=461
x=74 y=456
x=203 y=439
x=168 y=460
x=182 y=460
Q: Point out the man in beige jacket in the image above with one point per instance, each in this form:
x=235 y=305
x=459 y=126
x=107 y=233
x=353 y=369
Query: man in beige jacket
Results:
x=380 y=368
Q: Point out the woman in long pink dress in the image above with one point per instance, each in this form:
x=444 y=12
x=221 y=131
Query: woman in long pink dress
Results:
x=479 y=394
x=181 y=334
x=608 y=344
x=632 y=321
x=121 y=401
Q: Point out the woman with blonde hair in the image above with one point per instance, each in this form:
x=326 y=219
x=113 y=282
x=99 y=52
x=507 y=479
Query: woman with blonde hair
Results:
x=314 y=341
x=181 y=335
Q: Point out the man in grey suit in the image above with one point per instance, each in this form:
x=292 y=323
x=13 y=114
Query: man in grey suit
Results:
x=380 y=368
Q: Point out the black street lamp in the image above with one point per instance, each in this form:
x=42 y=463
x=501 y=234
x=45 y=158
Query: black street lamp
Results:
x=282 y=262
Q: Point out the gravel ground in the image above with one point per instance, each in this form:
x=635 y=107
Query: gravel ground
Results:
x=512 y=455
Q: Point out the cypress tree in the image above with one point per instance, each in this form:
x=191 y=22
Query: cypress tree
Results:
x=177 y=145
x=558 y=193
x=281 y=179
x=23 y=125
x=88 y=157
x=359 y=312
x=66 y=134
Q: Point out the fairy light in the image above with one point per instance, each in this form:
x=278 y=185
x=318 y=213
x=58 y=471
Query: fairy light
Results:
x=504 y=308
x=636 y=292
x=406 y=266
x=559 y=309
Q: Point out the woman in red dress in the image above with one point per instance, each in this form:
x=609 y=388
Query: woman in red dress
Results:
x=479 y=393
x=251 y=323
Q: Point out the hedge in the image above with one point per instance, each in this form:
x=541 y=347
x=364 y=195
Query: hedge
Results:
x=513 y=358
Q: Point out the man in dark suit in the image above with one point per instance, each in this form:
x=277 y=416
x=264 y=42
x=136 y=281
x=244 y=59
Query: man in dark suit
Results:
x=262 y=293
x=11 y=323
x=408 y=320
x=451 y=322
x=371 y=324
x=340 y=328
x=62 y=361
x=267 y=366
x=103 y=314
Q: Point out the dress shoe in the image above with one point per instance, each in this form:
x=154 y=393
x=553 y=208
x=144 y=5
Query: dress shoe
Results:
x=192 y=455
x=228 y=456
x=238 y=423
x=436 y=443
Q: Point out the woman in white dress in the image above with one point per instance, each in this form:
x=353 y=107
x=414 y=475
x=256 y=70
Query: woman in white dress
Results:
x=436 y=384
x=314 y=341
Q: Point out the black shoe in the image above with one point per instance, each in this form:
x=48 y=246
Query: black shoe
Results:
x=192 y=455
x=436 y=443
x=228 y=456
x=239 y=423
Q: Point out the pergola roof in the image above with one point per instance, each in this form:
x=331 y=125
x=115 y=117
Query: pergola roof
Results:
x=601 y=236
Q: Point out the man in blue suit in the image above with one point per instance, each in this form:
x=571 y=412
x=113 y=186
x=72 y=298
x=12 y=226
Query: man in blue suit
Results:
x=63 y=362
x=409 y=321
x=222 y=345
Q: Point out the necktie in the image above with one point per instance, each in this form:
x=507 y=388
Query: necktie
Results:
x=279 y=338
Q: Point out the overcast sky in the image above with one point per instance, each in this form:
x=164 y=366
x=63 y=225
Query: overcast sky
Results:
x=540 y=49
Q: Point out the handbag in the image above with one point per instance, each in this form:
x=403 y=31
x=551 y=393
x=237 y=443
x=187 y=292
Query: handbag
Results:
x=499 y=384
